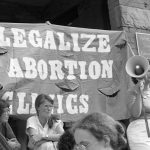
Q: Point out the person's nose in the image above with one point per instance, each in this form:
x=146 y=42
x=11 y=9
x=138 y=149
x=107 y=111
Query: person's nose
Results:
x=49 y=108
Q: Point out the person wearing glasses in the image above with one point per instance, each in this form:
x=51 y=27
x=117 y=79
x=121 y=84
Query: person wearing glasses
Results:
x=98 y=131
x=7 y=136
x=44 y=129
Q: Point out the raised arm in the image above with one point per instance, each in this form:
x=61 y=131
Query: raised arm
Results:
x=135 y=104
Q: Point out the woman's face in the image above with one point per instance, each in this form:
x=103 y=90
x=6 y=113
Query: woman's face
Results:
x=5 y=115
x=86 y=141
x=45 y=109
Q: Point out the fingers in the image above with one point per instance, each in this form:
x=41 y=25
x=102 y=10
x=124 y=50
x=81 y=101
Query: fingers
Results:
x=13 y=140
x=37 y=137
x=33 y=141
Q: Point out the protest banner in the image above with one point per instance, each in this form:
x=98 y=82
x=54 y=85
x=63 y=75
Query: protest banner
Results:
x=82 y=70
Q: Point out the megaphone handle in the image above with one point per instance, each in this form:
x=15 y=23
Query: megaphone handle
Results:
x=145 y=117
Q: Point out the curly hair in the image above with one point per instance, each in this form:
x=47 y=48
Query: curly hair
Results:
x=100 y=124
x=66 y=141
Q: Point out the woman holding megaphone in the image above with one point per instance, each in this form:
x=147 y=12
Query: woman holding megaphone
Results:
x=139 y=107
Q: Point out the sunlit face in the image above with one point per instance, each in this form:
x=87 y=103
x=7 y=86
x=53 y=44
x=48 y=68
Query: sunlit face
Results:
x=5 y=116
x=86 y=141
x=45 y=109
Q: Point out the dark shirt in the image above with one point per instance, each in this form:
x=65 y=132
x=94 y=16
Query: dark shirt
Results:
x=6 y=131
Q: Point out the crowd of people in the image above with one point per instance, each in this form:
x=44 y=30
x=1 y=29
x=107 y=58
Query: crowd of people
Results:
x=95 y=131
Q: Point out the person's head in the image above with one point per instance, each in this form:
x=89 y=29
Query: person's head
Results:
x=98 y=131
x=4 y=110
x=66 y=141
x=44 y=105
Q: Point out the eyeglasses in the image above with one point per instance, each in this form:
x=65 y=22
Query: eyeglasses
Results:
x=85 y=146
x=48 y=106
x=80 y=147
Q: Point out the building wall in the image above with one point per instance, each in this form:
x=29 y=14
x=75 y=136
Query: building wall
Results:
x=93 y=14
x=131 y=16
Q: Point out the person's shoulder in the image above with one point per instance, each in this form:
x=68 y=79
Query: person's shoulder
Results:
x=32 y=121
x=5 y=124
x=32 y=118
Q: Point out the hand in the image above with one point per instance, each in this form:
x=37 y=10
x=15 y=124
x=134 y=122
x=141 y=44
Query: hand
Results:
x=14 y=144
x=139 y=86
x=13 y=140
x=37 y=137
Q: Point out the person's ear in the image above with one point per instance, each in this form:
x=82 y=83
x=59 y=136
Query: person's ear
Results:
x=106 y=141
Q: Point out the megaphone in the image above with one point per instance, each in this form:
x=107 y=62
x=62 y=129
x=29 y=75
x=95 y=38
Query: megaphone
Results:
x=137 y=66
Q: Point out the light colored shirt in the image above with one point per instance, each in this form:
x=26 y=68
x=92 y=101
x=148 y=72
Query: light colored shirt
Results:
x=146 y=100
x=34 y=123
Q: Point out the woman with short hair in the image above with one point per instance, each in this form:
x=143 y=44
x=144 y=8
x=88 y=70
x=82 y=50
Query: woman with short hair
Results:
x=44 y=129
x=98 y=131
